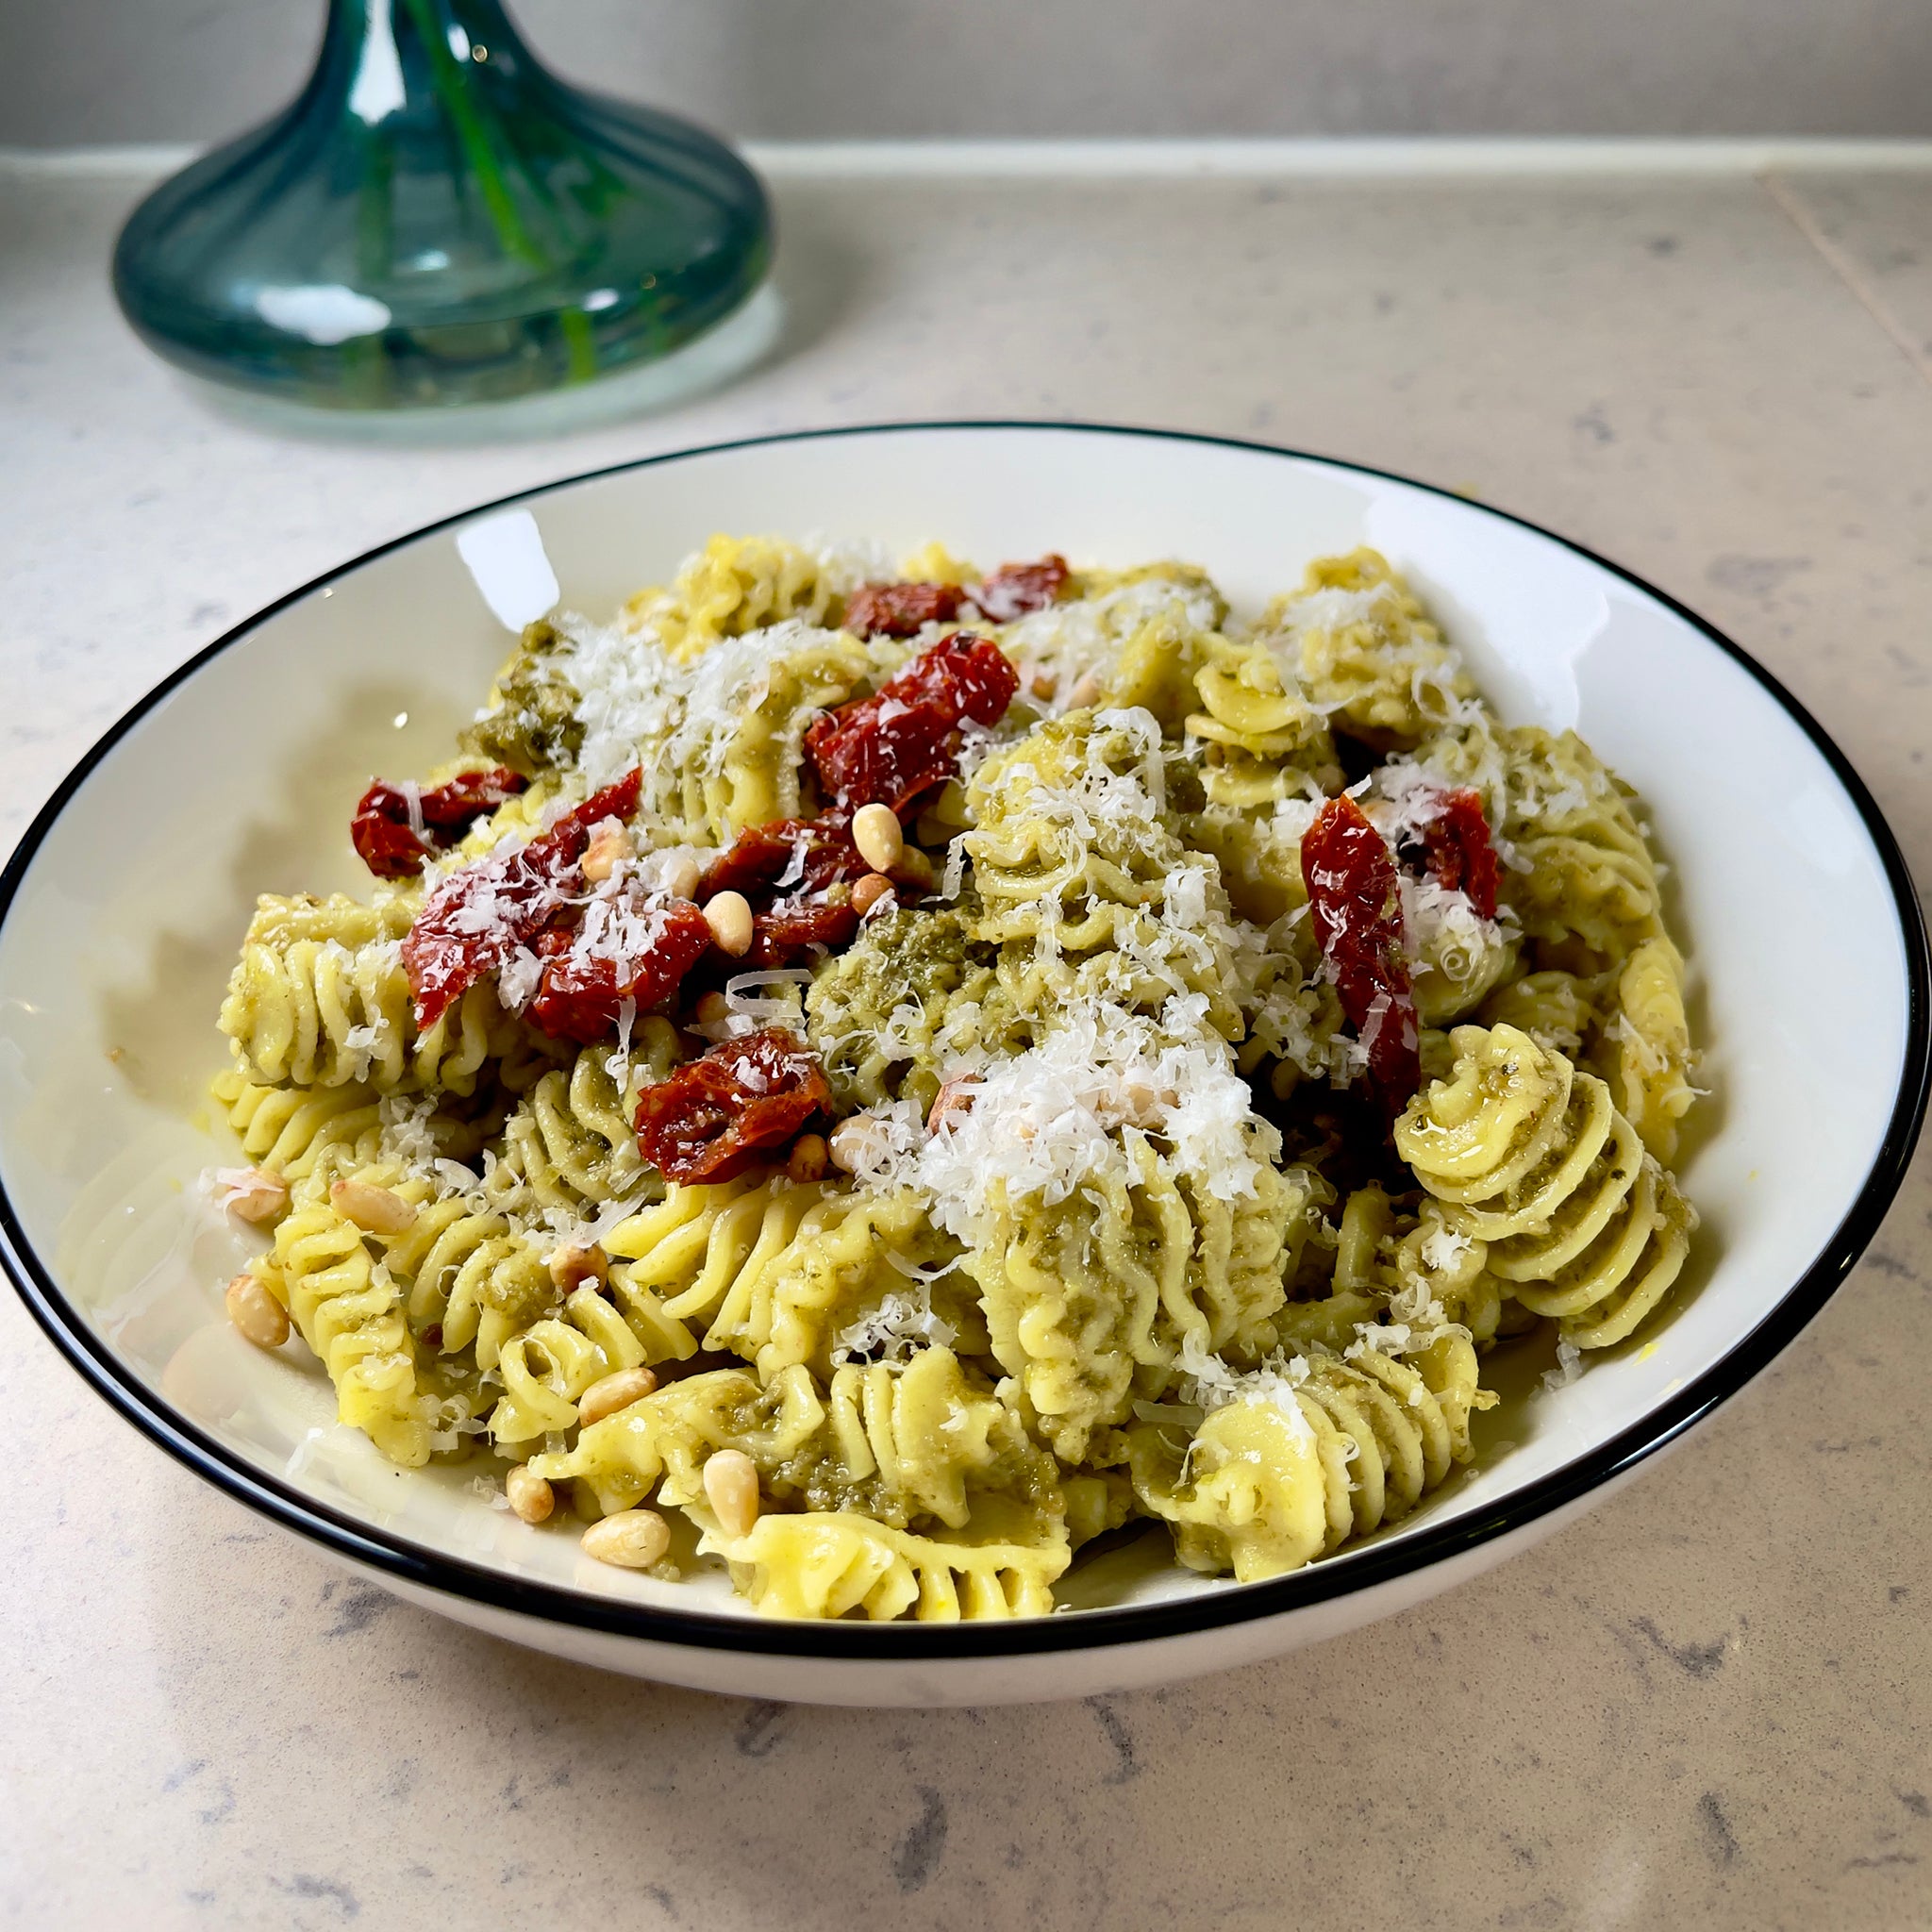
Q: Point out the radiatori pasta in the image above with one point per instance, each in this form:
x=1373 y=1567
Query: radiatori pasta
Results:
x=916 y=1070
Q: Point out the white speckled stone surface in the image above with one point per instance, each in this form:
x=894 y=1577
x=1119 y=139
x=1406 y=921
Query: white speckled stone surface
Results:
x=1708 y=1705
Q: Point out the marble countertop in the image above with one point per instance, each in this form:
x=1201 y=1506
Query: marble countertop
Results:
x=1709 y=1703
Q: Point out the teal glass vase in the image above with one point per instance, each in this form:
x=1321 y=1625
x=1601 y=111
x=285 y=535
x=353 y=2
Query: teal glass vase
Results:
x=438 y=221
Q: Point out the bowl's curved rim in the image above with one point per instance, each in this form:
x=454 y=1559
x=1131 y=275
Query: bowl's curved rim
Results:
x=1373 y=1564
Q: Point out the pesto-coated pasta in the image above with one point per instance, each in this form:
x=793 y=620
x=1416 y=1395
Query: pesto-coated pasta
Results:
x=919 y=1069
x=1531 y=1156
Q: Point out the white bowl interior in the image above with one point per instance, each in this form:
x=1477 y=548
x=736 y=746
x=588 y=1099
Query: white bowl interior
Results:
x=114 y=955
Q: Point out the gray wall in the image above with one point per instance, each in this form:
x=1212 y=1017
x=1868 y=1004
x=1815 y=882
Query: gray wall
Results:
x=88 y=71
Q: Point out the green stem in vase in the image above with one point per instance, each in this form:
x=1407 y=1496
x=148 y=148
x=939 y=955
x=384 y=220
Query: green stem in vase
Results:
x=451 y=78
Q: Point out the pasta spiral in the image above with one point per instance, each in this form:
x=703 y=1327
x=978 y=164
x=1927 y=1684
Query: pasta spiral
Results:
x=547 y=1367
x=472 y=1273
x=1644 y=1048
x=1130 y=637
x=1364 y=652
x=732 y=586
x=1291 y=1017
x=1085 y=890
x=288 y=1129
x=912 y=1443
x=1090 y=1300
x=818 y=1565
x=1556 y=1010
x=851 y=1253
x=1293 y=1467
x=1583 y=882
x=320 y=999
x=1531 y=1156
x=1393 y=1260
x=738 y=759
x=571 y=1139
x=1264 y=740
x=700 y=1245
x=349 y=1310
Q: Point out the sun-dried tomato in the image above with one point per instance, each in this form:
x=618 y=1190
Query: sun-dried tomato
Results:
x=458 y=804
x=1461 y=855
x=711 y=1119
x=961 y=673
x=783 y=936
x=900 y=611
x=902 y=742
x=388 y=846
x=477 y=918
x=580 y=996
x=1015 y=588
x=384 y=833
x=788 y=856
x=1356 y=900
x=896 y=760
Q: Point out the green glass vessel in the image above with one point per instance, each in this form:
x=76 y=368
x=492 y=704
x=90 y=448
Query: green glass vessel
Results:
x=437 y=220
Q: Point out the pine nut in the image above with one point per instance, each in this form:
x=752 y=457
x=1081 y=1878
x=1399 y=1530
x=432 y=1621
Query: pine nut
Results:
x=955 y=1097
x=530 y=1497
x=578 y=1262
x=681 y=881
x=808 y=1157
x=1085 y=691
x=876 y=832
x=854 y=1143
x=254 y=1194
x=712 y=1008
x=731 y=1485
x=869 y=891
x=1043 y=684
x=631 y=1539
x=611 y=1392
x=256 y=1313
x=374 y=1210
x=608 y=846
x=728 y=914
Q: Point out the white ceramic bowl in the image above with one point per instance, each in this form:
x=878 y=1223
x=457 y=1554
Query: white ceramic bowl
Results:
x=120 y=913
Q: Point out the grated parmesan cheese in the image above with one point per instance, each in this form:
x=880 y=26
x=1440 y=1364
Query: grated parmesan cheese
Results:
x=1046 y=1122
x=1208 y=1383
x=903 y=1323
x=1568 y=1365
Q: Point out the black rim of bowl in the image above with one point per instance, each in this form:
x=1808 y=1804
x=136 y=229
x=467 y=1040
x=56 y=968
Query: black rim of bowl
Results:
x=1373 y=1564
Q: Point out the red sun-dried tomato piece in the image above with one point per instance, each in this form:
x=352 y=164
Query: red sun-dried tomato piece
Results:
x=384 y=832
x=789 y=854
x=893 y=760
x=1015 y=588
x=477 y=918
x=902 y=742
x=384 y=841
x=962 y=674
x=582 y=992
x=458 y=804
x=900 y=611
x=1462 y=857
x=783 y=936
x=711 y=1119
x=1356 y=900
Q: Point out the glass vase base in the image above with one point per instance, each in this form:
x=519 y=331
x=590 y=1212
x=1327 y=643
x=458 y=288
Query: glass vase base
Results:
x=732 y=348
